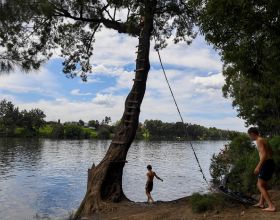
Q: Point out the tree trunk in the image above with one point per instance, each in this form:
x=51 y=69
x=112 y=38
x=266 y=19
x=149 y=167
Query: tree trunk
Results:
x=105 y=180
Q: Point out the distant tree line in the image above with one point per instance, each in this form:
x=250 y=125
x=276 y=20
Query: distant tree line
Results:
x=16 y=123
x=158 y=130
x=12 y=120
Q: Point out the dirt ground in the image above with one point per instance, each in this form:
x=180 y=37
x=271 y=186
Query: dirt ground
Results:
x=181 y=210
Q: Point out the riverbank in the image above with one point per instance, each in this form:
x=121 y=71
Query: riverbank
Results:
x=181 y=210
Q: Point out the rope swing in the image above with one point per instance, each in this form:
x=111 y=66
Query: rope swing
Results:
x=181 y=117
x=234 y=195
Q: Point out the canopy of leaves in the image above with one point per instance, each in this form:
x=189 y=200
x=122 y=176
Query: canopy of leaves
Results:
x=257 y=102
x=245 y=32
x=247 y=35
x=9 y=114
x=31 y=31
x=11 y=117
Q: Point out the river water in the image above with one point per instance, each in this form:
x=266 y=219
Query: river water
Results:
x=46 y=179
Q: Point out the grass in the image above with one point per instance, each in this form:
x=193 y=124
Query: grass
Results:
x=45 y=131
x=19 y=132
x=92 y=133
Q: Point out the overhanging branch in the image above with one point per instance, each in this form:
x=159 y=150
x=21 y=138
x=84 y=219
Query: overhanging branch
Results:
x=121 y=27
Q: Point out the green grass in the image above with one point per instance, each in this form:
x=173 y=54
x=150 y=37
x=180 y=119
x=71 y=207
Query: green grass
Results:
x=92 y=134
x=45 y=131
x=19 y=131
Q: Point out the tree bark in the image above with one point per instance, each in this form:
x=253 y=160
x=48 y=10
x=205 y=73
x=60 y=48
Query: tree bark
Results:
x=105 y=180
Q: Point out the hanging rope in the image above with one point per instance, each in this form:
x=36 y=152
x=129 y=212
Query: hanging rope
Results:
x=185 y=126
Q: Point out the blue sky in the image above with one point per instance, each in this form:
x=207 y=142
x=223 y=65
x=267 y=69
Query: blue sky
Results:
x=194 y=72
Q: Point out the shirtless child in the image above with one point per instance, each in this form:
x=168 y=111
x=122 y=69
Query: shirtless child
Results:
x=149 y=185
x=264 y=169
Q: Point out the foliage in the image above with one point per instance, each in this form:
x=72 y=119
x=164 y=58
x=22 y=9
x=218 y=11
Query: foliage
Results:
x=261 y=106
x=31 y=123
x=73 y=131
x=103 y=133
x=69 y=131
x=158 y=130
x=94 y=124
x=30 y=31
x=9 y=117
x=19 y=132
x=202 y=203
x=46 y=131
x=76 y=131
x=106 y=121
x=246 y=33
x=275 y=145
x=238 y=162
x=81 y=122
x=57 y=131
x=89 y=133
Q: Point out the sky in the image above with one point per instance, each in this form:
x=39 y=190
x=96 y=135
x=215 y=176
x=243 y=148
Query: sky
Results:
x=194 y=72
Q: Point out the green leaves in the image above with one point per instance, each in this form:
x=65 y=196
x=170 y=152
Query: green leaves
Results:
x=10 y=117
x=236 y=164
x=32 y=31
x=247 y=35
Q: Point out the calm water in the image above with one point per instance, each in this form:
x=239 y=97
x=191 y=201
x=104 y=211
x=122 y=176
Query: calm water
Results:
x=42 y=179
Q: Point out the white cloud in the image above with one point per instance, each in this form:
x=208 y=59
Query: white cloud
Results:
x=41 y=82
x=199 y=97
x=215 y=81
x=77 y=92
x=104 y=100
x=68 y=110
x=112 y=48
x=199 y=103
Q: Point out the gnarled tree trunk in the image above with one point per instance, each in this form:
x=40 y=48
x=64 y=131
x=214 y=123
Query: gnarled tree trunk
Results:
x=105 y=180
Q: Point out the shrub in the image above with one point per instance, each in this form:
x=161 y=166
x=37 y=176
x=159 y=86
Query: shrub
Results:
x=275 y=145
x=25 y=133
x=73 y=131
x=202 y=203
x=237 y=165
x=103 y=133
x=45 y=131
x=19 y=132
x=57 y=131
x=89 y=133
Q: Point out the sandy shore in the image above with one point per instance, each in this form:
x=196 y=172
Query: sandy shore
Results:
x=181 y=210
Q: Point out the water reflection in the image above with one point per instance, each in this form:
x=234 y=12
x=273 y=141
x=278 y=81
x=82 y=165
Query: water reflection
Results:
x=19 y=151
x=48 y=178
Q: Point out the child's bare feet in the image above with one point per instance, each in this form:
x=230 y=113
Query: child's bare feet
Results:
x=270 y=209
x=259 y=205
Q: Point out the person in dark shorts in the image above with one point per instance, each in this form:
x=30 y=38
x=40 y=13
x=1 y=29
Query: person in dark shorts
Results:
x=150 y=182
x=264 y=169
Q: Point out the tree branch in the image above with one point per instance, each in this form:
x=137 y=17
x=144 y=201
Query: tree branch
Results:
x=111 y=24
